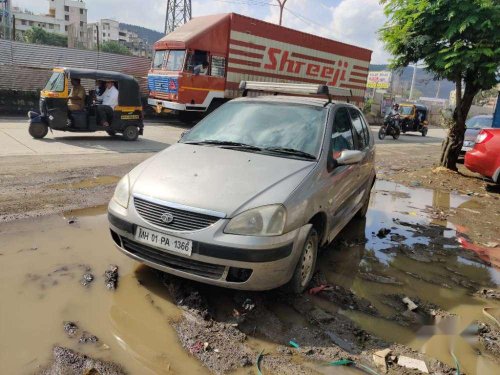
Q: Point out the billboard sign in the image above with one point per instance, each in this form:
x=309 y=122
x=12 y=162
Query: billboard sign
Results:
x=379 y=80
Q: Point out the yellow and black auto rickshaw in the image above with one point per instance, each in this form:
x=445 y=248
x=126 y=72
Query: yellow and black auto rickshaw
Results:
x=126 y=118
x=413 y=118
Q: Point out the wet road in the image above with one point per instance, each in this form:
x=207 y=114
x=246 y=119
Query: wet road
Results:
x=43 y=261
x=16 y=141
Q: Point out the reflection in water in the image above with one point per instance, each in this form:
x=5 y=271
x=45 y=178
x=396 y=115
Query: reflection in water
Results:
x=421 y=258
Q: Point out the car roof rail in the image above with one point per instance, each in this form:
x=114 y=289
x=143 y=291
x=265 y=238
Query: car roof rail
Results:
x=295 y=88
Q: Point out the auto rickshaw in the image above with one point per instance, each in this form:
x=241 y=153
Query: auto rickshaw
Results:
x=413 y=118
x=127 y=117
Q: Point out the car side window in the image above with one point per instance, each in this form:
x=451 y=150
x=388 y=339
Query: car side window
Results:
x=342 y=138
x=359 y=127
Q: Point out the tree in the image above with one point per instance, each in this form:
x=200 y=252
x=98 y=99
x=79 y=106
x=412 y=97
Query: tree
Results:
x=115 y=47
x=37 y=35
x=457 y=40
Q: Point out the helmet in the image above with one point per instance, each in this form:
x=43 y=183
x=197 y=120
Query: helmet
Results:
x=395 y=106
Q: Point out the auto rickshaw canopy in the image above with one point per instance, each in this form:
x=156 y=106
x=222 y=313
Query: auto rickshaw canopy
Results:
x=128 y=87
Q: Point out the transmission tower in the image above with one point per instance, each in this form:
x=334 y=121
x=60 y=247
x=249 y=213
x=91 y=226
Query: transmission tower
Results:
x=178 y=13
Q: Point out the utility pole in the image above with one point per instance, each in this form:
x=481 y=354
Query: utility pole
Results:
x=178 y=13
x=282 y=6
x=413 y=81
x=438 y=89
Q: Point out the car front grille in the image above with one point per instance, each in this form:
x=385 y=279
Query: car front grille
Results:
x=182 y=220
x=211 y=271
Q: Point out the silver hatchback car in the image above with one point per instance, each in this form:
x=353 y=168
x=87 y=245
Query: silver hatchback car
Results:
x=247 y=197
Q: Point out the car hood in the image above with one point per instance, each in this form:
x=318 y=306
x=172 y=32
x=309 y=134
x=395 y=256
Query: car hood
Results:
x=223 y=180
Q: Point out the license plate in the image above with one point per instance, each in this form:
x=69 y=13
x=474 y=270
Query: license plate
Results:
x=164 y=241
x=466 y=149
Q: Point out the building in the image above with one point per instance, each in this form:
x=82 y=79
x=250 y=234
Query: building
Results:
x=107 y=30
x=65 y=17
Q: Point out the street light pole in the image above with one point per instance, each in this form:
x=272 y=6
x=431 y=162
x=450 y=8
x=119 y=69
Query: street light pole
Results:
x=413 y=80
x=282 y=6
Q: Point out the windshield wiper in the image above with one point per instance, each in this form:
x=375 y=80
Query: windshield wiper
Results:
x=291 y=151
x=225 y=143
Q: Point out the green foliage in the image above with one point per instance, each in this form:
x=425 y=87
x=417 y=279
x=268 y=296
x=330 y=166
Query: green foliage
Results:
x=37 y=35
x=115 y=47
x=457 y=40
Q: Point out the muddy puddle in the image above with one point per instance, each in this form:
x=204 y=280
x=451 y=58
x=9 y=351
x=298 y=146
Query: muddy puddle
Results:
x=52 y=276
x=88 y=183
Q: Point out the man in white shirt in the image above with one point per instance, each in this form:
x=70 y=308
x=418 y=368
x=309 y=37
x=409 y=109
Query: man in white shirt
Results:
x=109 y=101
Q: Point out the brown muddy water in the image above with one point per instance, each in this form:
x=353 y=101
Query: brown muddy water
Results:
x=42 y=263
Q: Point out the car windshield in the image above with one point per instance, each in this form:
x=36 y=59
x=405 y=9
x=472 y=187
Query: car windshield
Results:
x=55 y=83
x=292 y=129
x=175 y=60
x=158 y=59
x=405 y=110
x=479 y=122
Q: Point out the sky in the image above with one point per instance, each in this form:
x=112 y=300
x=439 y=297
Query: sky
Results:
x=350 y=21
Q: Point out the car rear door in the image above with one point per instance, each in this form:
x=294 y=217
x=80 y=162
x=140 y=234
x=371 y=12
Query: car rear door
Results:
x=343 y=179
x=362 y=141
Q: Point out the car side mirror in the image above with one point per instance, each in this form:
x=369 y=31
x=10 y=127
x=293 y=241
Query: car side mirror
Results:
x=348 y=157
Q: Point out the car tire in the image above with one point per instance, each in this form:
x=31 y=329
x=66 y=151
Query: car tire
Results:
x=38 y=130
x=131 y=133
x=111 y=133
x=381 y=133
x=306 y=265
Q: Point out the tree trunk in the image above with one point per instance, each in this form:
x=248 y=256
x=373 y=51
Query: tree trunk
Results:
x=453 y=143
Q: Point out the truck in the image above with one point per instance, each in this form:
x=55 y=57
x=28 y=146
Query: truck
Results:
x=200 y=65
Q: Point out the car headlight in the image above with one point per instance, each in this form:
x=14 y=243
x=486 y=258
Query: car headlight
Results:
x=261 y=221
x=122 y=192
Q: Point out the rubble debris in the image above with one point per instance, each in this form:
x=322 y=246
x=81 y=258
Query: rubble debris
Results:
x=70 y=328
x=489 y=337
x=88 y=338
x=111 y=277
x=380 y=359
x=67 y=361
x=383 y=232
x=87 y=278
x=411 y=305
x=488 y=293
x=412 y=363
x=294 y=344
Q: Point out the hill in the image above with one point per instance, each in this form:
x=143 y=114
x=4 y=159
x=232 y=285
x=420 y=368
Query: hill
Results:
x=150 y=35
x=424 y=81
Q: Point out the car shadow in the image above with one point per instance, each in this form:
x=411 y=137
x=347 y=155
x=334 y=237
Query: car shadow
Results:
x=106 y=143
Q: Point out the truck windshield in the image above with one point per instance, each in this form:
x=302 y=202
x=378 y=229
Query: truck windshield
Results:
x=158 y=59
x=267 y=126
x=55 y=83
x=175 y=60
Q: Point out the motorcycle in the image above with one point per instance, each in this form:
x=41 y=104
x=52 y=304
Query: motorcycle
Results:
x=390 y=127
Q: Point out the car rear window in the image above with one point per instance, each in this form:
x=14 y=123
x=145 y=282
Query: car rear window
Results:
x=480 y=122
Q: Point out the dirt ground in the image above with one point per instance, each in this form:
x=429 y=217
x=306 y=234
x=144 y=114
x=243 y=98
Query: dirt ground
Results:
x=427 y=253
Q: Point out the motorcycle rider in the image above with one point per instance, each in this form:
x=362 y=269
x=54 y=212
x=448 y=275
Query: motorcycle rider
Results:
x=394 y=115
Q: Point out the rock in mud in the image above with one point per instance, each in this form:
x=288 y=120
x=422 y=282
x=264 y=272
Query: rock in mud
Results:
x=383 y=232
x=70 y=328
x=87 y=279
x=488 y=293
x=489 y=336
x=111 y=277
x=413 y=363
x=88 y=338
x=68 y=362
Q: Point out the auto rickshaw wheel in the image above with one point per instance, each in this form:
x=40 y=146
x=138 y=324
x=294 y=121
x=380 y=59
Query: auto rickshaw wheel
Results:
x=38 y=130
x=111 y=133
x=131 y=133
x=424 y=132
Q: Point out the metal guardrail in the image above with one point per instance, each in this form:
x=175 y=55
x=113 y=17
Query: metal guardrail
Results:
x=26 y=67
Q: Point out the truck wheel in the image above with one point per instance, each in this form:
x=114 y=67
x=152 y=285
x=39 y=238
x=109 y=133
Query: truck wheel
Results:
x=306 y=266
x=38 y=130
x=131 y=133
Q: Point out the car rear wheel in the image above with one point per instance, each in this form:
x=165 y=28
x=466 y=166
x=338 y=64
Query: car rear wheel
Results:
x=131 y=133
x=38 y=130
x=306 y=266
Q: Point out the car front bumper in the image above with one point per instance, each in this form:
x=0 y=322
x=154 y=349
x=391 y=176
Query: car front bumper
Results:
x=232 y=261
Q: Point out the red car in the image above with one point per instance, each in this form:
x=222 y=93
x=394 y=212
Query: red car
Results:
x=484 y=158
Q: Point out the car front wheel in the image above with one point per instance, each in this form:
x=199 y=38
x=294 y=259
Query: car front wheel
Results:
x=306 y=266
